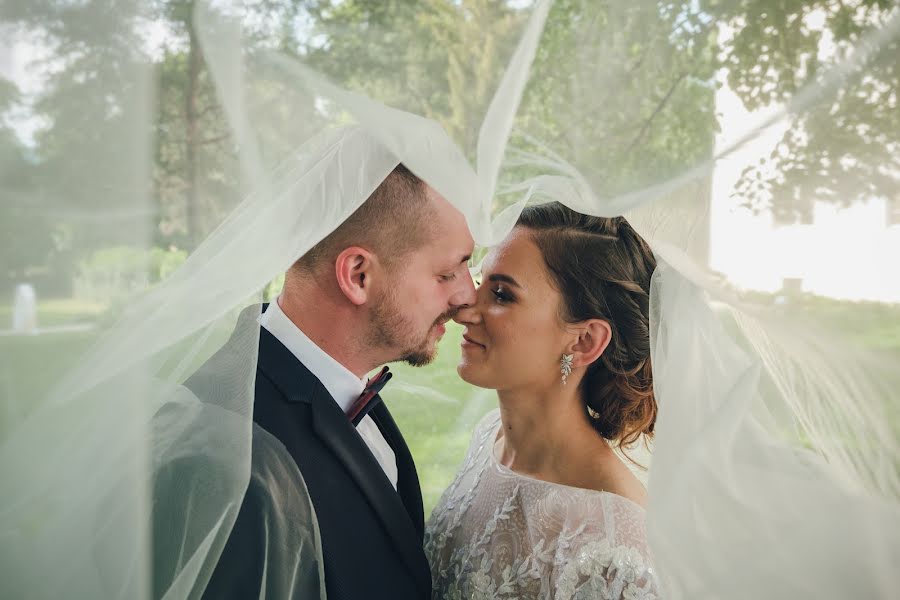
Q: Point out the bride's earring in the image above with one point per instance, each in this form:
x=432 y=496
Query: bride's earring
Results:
x=565 y=366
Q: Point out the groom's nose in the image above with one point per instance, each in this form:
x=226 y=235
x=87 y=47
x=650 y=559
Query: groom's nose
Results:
x=463 y=292
x=464 y=295
x=466 y=315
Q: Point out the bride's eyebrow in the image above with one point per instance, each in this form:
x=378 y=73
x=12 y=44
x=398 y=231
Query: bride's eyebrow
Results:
x=500 y=277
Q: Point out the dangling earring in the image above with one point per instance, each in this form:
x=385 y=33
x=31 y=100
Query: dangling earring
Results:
x=565 y=366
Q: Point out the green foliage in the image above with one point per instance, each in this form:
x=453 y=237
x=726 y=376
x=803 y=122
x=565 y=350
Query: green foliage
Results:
x=26 y=235
x=26 y=238
x=164 y=261
x=439 y=58
x=623 y=90
x=271 y=291
x=845 y=147
x=115 y=273
x=105 y=64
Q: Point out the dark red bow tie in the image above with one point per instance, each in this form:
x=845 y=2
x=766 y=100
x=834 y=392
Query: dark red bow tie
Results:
x=369 y=399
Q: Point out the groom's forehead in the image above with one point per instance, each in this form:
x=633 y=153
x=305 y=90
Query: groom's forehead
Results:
x=448 y=220
x=443 y=208
x=446 y=252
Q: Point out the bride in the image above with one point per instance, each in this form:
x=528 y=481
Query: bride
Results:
x=544 y=506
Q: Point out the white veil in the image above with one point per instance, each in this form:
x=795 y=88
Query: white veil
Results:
x=775 y=463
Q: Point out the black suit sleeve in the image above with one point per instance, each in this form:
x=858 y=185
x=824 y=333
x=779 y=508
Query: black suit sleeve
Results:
x=240 y=570
x=273 y=549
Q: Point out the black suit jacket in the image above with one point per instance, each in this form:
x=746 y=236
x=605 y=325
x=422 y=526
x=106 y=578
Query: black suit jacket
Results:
x=371 y=534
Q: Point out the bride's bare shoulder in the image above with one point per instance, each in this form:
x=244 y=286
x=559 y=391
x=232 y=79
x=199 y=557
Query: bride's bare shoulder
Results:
x=614 y=476
x=630 y=487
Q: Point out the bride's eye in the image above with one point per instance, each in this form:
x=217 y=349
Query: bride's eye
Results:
x=502 y=295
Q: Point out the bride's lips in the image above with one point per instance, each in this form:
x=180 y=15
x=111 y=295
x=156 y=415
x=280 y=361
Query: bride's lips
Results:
x=470 y=343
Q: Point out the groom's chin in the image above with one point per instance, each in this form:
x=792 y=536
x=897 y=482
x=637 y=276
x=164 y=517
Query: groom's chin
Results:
x=419 y=359
x=424 y=355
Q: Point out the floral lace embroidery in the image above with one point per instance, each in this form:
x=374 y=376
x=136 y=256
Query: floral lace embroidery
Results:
x=600 y=570
x=497 y=536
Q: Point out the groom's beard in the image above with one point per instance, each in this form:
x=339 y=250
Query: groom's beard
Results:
x=391 y=328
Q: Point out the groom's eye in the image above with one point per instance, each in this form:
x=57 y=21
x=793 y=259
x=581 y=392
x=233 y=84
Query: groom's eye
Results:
x=448 y=277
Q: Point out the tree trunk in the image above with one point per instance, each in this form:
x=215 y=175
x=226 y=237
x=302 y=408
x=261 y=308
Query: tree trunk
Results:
x=191 y=131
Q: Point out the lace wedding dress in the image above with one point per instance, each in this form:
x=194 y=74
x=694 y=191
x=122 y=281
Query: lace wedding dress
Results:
x=497 y=534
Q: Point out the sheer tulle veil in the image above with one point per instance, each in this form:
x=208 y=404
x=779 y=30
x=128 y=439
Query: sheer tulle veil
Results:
x=774 y=469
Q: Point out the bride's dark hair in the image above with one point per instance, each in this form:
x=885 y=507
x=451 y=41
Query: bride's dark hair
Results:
x=603 y=268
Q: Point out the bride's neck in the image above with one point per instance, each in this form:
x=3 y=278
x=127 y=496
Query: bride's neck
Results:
x=545 y=433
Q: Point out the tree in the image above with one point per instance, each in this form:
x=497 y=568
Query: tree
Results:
x=847 y=146
x=105 y=63
x=438 y=58
x=195 y=155
x=624 y=90
x=25 y=235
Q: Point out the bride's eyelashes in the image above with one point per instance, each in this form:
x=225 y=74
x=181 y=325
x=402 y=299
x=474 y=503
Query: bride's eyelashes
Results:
x=501 y=295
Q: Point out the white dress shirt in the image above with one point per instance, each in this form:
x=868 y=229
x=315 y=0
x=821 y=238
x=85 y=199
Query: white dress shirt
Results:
x=344 y=386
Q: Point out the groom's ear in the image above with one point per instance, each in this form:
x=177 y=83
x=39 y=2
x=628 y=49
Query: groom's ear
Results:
x=594 y=336
x=353 y=270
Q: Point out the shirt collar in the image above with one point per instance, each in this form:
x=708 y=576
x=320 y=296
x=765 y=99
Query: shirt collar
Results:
x=344 y=386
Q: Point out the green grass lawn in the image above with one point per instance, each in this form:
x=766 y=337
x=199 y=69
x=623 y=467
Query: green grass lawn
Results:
x=29 y=367
x=437 y=421
x=435 y=409
x=59 y=311
x=29 y=364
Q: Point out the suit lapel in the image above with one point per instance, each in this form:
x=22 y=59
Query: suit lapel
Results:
x=336 y=432
x=408 y=480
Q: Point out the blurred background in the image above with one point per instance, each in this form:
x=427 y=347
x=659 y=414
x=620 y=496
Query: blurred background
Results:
x=82 y=230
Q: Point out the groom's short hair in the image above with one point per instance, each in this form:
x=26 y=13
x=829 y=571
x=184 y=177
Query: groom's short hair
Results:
x=393 y=221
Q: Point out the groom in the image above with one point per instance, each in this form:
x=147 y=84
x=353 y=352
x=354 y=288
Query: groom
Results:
x=378 y=289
